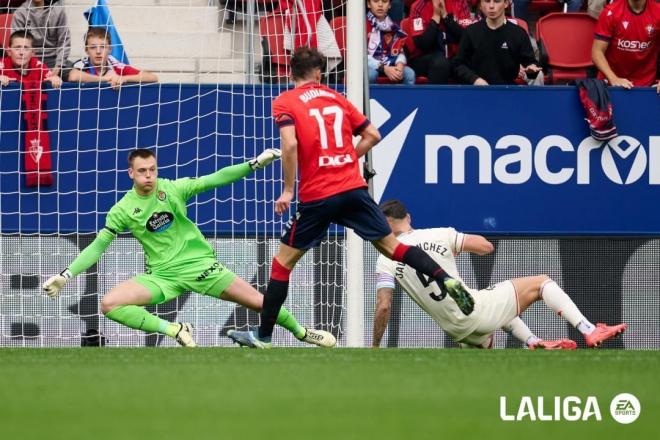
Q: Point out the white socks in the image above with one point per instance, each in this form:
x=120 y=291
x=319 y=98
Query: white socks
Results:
x=520 y=331
x=555 y=298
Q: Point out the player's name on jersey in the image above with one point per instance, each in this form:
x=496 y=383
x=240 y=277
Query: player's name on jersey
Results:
x=568 y=408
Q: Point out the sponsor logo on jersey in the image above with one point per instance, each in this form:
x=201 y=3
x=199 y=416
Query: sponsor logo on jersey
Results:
x=623 y=159
x=159 y=221
x=209 y=271
x=633 y=45
x=335 y=161
x=137 y=211
x=161 y=196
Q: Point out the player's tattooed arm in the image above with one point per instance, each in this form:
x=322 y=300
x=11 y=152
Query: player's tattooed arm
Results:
x=382 y=314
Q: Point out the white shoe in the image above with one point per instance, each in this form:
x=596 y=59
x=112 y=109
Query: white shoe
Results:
x=319 y=337
x=185 y=335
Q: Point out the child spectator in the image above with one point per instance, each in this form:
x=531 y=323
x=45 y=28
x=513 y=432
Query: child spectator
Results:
x=49 y=28
x=385 y=41
x=492 y=50
x=21 y=64
x=99 y=66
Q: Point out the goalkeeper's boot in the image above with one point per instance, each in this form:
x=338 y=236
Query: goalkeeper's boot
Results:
x=559 y=344
x=603 y=332
x=248 y=339
x=318 y=337
x=185 y=335
x=459 y=293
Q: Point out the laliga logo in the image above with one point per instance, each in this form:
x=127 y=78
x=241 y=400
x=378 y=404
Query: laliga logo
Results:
x=520 y=160
x=624 y=408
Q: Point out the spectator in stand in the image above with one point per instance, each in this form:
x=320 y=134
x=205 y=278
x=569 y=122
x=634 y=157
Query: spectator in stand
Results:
x=99 y=66
x=492 y=50
x=427 y=46
x=520 y=7
x=626 y=40
x=385 y=41
x=48 y=25
x=20 y=63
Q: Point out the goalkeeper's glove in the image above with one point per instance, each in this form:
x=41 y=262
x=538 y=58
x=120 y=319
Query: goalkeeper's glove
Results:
x=56 y=282
x=265 y=158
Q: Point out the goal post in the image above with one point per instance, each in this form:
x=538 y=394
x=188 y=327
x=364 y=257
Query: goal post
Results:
x=355 y=84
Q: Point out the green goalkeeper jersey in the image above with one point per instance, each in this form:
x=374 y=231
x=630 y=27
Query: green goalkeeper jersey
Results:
x=160 y=223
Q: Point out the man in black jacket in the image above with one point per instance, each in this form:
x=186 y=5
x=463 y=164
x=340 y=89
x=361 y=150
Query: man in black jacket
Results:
x=492 y=50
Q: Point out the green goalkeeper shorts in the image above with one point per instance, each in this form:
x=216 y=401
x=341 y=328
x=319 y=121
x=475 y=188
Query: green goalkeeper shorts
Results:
x=207 y=277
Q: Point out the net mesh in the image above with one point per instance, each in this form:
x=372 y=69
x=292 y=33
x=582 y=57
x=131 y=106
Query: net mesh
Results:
x=219 y=65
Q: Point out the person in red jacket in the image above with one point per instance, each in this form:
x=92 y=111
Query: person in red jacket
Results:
x=626 y=39
x=21 y=64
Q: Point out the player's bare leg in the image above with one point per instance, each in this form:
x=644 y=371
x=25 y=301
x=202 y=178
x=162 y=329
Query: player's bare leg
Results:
x=542 y=287
x=421 y=261
x=240 y=292
x=276 y=293
x=123 y=304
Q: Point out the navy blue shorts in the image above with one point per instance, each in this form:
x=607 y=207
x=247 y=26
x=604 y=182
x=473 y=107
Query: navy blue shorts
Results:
x=354 y=209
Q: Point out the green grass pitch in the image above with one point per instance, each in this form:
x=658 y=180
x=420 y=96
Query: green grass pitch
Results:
x=224 y=393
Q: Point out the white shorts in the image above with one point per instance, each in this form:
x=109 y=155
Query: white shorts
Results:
x=498 y=305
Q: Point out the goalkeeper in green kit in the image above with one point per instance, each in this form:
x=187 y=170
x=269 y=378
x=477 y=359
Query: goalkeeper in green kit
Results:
x=178 y=257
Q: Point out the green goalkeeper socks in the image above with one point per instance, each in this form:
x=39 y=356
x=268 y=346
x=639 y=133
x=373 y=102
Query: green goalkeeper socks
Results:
x=289 y=322
x=138 y=318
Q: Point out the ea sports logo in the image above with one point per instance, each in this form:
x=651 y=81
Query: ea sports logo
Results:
x=625 y=408
x=624 y=147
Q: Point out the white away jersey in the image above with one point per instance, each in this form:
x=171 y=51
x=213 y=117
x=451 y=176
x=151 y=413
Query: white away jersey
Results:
x=441 y=244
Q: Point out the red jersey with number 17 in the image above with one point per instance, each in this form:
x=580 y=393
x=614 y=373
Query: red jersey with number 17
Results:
x=325 y=124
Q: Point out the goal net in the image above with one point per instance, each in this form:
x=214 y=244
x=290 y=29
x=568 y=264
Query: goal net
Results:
x=219 y=65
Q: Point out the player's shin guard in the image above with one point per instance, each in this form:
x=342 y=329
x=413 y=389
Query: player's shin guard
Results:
x=276 y=293
x=138 y=318
x=419 y=260
x=555 y=298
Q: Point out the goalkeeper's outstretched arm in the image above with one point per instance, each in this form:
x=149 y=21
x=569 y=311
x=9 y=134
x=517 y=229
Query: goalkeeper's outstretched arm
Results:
x=233 y=173
x=83 y=261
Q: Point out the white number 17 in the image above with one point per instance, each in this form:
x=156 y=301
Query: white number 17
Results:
x=336 y=126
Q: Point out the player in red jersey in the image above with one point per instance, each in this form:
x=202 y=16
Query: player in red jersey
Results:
x=625 y=48
x=317 y=126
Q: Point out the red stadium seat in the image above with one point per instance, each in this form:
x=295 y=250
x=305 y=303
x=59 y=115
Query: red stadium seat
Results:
x=520 y=22
x=276 y=58
x=5 y=28
x=565 y=41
